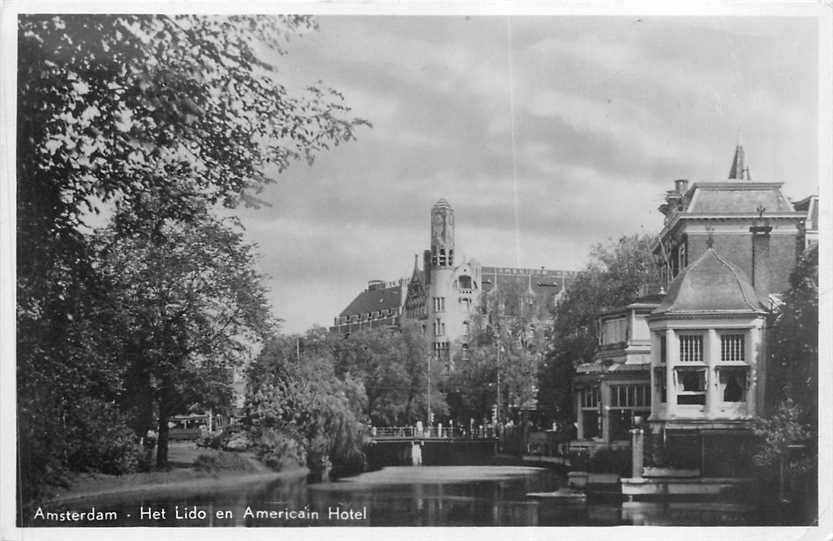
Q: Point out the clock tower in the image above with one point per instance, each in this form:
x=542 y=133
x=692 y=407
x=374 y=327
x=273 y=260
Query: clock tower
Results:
x=442 y=235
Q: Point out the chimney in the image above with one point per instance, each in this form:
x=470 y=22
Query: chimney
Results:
x=681 y=186
x=373 y=285
x=760 y=253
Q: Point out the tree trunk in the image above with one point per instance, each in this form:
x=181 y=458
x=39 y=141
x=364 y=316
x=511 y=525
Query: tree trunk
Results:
x=162 y=441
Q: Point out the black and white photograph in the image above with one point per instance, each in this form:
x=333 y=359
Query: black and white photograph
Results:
x=404 y=268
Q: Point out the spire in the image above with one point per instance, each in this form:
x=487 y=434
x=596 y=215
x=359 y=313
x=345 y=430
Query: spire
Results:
x=415 y=274
x=740 y=169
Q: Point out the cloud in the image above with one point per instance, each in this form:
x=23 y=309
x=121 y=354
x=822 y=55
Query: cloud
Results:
x=607 y=111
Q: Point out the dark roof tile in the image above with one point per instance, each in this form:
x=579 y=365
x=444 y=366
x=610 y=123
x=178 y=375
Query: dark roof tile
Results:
x=710 y=285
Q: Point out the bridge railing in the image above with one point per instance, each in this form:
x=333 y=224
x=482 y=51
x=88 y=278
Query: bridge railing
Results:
x=431 y=432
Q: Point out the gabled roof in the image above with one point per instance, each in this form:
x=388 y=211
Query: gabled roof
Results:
x=710 y=285
x=371 y=300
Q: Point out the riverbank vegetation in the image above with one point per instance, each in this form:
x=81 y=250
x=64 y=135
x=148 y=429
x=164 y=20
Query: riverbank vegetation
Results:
x=135 y=300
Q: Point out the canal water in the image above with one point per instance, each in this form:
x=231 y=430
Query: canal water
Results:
x=404 y=496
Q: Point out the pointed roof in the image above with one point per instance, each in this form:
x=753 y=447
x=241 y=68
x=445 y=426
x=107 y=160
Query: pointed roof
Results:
x=416 y=275
x=710 y=285
x=740 y=169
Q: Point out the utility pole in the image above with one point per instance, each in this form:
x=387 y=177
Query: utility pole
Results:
x=428 y=423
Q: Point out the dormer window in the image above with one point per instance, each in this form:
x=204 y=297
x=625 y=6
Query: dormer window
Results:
x=614 y=331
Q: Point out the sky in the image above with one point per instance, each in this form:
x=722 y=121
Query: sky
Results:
x=546 y=134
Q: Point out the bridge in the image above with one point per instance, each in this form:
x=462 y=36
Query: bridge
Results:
x=444 y=433
x=405 y=445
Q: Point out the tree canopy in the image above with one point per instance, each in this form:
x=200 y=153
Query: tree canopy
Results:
x=155 y=121
x=615 y=276
x=506 y=343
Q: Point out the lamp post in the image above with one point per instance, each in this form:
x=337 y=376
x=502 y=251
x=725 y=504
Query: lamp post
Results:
x=497 y=410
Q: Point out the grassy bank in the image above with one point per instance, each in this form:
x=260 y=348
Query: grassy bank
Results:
x=192 y=470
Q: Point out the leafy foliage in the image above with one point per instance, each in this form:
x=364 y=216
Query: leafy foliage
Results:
x=157 y=119
x=192 y=306
x=392 y=365
x=776 y=433
x=614 y=277
x=793 y=342
x=295 y=395
x=507 y=338
x=792 y=377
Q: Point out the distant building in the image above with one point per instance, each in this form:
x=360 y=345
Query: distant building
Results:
x=810 y=206
x=380 y=305
x=446 y=292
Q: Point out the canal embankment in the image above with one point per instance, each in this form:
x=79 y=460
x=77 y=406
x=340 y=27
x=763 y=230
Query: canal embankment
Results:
x=193 y=470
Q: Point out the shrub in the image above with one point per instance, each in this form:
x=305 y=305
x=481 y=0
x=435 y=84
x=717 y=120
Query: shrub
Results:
x=278 y=451
x=99 y=439
x=211 y=440
x=237 y=442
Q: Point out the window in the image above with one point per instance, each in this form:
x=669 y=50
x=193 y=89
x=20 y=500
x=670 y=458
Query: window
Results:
x=732 y=347
x=691 y=348
x=630 y=396
x=589 y=397
x=663 y=351
x=465 y=282
x=590 y=419
x=614 y=331
x=691 y=386
x=733 y=383
x=660 y=384
x=627 y=401
x=466 y=328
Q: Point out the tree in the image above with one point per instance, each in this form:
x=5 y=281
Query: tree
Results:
x=392 y=364
x=506 y=344
x=294 y=400
x=787 y=437
x=614 y=277
x=192 y=307
x=111 y=106
x=793 y=342
x=124 y=111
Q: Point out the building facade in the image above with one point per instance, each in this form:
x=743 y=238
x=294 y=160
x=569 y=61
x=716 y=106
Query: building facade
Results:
x=448 y=291
x=725 y=253
x=615 y=388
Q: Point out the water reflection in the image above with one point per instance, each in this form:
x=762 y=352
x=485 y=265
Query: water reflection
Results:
x=408 y=496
